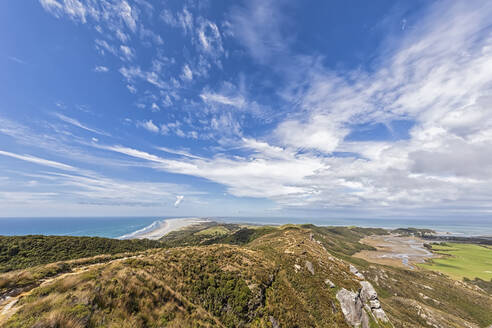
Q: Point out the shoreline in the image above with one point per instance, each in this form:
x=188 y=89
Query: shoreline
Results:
x=158 y=229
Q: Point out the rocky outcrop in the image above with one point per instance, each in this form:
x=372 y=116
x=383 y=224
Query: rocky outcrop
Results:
x=370 y=298
x=353 y=308
x=355 y=305
x=356 y=272
x=309 y=267
x=367 y=292
x=329 y=283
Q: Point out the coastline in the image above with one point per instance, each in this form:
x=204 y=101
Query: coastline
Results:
x=158 y=229
x=127 y=227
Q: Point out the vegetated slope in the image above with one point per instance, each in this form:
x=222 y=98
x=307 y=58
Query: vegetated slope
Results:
x=215 y=233
x=276 y=277
x=20 y=252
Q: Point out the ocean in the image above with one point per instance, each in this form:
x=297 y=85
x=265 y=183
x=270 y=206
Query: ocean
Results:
x=111 y=227
x=115 y=227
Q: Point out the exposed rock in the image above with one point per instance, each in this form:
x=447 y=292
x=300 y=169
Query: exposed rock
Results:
x=368 y=292
x=374 y=304
x=353 y=308
x=330 y=283
x=309 y=267
x=356 y=272
x=297 y=267
x=380 y=314
x=369 y=296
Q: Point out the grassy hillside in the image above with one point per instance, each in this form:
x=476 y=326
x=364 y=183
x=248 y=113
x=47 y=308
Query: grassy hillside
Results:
x=20 y=252
x=239 y=276
x=215 y=233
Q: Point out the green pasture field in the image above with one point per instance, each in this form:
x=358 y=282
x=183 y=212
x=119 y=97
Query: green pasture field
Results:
x=213 y=231
x=462 y=261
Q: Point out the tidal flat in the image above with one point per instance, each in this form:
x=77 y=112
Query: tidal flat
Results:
x=395 y=250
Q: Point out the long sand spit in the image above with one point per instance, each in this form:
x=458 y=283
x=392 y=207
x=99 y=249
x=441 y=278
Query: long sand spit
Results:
x=164 y=227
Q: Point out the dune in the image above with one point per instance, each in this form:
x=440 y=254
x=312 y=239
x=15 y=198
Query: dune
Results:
x=167 y=226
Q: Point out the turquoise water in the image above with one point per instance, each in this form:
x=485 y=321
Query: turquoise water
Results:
x=111 y=227
x=114 y=227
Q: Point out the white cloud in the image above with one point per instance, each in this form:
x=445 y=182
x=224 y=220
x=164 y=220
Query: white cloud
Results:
x=51 y=5
x=115 y=15
x=226 y=124
x=128 y=53
x=262 y=148
x=319 y=133
x=166 y=101
x=187 y=73
x=47 y=137
x=88 y=189
x=183 y=19
x=132 y=73
x=446 y=160
x=438 y=75
x=209 y=37
x=234 y=97
x=179 y=200
x=78 y=124
x=101 y=69
x=128 y=15
x=254 y=177
x=258 y=28
x=235 y=101
x=73 y=8
x=154 y=107
x=102 y=46
x=131 y=88
x=38 y=160
x=147 y=34
x=122 y=36
x=149 y=126
x=178 y=152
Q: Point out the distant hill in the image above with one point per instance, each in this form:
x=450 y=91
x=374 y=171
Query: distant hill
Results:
x=217 y=275
x=19 y=252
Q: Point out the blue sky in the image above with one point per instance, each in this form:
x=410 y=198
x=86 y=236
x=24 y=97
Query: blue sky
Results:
x=254 y=108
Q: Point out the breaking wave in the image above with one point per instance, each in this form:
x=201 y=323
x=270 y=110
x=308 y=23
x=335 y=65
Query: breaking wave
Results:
x=146 y=229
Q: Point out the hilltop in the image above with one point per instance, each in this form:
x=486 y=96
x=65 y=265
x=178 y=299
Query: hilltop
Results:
x=226 y=275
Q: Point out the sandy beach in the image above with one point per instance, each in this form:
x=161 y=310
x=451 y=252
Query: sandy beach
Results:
x=164 y=227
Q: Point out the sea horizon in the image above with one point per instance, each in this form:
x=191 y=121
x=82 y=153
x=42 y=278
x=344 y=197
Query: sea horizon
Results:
x=117 y=227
